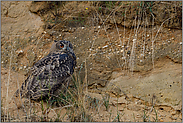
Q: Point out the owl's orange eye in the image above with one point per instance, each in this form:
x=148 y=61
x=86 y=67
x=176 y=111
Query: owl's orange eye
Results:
x=61 y=46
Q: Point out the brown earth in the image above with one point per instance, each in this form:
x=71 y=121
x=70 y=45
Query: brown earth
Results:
x=141 y=81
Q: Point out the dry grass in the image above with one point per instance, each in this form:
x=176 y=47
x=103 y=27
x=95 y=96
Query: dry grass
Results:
x=75 y=105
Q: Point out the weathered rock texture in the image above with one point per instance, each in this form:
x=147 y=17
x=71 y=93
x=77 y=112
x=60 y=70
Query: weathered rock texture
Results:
x=130 y=47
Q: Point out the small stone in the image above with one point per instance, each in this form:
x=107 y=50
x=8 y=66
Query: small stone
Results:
x=134 y=39
x=180 y=116
x=20 y=51
x=180 y=43
x=98 y=26
x=24 y=67
x=173 y=112
x=138 y=116
x=82 y=27
x=173 y=118
x=105 y=46
x=161 y=120
x=128 y=52
x=123 y=57
x=20 y=68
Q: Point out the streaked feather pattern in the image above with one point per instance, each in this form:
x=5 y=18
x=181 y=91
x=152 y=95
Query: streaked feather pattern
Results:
x=49 y=73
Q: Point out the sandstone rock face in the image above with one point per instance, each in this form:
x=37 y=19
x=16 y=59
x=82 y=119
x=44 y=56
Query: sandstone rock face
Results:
x=164 y=82
x=19 y=29
x=136 y=51
x=17 y=20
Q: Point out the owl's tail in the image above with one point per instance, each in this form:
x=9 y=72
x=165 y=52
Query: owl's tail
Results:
x=19 y=94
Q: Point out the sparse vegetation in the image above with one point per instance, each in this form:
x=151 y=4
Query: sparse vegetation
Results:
x=125 y=37
x=106 y=101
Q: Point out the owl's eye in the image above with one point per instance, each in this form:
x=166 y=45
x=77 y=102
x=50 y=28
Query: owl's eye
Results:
x=61 y=46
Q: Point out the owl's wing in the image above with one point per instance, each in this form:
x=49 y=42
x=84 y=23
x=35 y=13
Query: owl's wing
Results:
x=54 y=62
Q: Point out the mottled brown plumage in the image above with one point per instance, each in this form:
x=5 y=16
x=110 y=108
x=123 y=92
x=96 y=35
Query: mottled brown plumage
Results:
x=49 y=73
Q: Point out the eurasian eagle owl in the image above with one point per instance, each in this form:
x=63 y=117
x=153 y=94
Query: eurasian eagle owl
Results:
x=49 y=74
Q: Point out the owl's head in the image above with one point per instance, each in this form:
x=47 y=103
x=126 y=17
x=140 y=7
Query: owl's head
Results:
x=61 y=46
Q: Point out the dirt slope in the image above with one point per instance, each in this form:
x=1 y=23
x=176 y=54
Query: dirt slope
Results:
x=133 y=73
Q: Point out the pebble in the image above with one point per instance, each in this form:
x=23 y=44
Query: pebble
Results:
x=180 y=43
x=142 y=55
x=134 y=39
x=161 y=120
x=129 y=52
x=20 y=51
x=138 y=116
x=123 y=57
x=173 y=112
x=20 y=68
x=105 y=46
x=174 y=118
